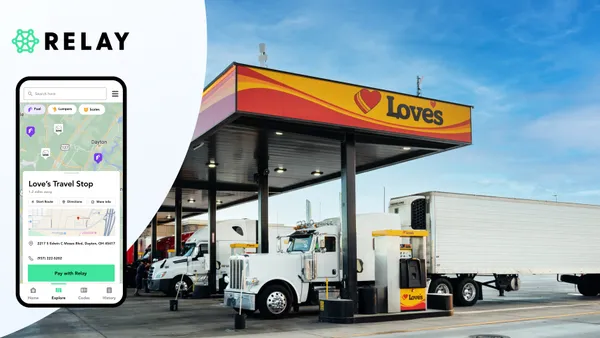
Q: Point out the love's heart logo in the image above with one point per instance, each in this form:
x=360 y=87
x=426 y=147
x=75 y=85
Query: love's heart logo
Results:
x=366 y=99
x=404 y=296
x=85 y=109
x=432 y=103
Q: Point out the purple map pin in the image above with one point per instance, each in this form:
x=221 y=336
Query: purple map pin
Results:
x=98 y=157
x=30 y=130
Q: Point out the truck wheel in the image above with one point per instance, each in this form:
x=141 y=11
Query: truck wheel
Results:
x=587 y=289
x=440 y=285
x=466 y=292
x=274 y=302
x=186 y=284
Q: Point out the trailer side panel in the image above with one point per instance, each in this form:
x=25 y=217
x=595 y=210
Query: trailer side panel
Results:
x=487 y=235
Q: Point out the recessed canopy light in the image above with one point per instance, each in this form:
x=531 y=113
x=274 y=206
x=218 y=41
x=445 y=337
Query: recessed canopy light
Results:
x=280 y=170
x=191 y=200
x=278 y=133
x=317 y=173
x=212 y=164
x=219 y=202
x=168 y=216
x=406 y=148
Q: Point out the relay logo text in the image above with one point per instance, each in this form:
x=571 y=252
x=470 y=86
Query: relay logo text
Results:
x=26 y=41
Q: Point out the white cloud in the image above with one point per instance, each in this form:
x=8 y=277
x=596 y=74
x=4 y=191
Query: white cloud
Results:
x=577 y=128
x=547 y=24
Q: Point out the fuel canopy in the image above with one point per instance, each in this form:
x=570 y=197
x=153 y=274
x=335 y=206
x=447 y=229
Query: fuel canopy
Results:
x=263 y=131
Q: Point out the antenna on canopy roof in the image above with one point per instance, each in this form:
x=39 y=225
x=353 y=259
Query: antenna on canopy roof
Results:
x=419 y=80
x=262 y=56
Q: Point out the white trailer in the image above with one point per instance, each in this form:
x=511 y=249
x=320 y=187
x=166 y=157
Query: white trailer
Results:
x=473 y=236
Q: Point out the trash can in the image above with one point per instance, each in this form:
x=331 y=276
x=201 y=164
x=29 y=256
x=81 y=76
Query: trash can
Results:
x=173 y=304
x=367 y=301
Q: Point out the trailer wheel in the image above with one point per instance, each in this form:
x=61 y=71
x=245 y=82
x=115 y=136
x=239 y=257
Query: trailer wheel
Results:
x=466 y=292
x=274 y=302
x=440 y=285
x=587 y=289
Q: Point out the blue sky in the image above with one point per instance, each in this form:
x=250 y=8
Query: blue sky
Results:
x=530 y=68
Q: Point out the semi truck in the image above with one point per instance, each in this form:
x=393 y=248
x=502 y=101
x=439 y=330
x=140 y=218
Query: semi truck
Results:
x=170 y=274
x=165 y=246
x=500 y=239
x=298 y=273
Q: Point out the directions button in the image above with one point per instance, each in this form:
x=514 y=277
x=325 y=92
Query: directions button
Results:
x=91 y=109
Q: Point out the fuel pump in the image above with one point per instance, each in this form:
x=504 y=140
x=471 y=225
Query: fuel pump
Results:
x=400 y=268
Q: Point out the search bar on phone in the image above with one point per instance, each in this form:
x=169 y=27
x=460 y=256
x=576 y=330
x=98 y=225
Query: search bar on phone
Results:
x=64 y=94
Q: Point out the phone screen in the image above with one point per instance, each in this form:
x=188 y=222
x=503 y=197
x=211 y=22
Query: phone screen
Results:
x=71 y=191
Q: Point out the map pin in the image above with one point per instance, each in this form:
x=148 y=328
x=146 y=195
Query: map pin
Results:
x=30 y=130
x=98 y=157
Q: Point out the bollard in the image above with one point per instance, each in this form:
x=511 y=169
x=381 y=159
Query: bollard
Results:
x=173 y=304
x=239 y=321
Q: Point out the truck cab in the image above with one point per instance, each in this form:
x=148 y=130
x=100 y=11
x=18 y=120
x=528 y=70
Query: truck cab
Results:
x=305 y=270
x=182 y=272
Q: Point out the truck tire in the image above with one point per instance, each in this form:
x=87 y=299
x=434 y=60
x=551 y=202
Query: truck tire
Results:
x=274 y=302
x=440 y=285
x=587 y=289
x=466 y=292
x=175 y=283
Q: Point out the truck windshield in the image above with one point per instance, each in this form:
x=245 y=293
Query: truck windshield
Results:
x=188 y=248
x=300 y=243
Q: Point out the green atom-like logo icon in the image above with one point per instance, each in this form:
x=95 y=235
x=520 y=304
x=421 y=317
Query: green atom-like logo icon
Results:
x=25 y=41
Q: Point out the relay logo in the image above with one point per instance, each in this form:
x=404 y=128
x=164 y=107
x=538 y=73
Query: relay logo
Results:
x=25 y=41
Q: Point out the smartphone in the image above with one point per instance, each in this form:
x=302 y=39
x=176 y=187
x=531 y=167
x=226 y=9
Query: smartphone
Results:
x=71 y=191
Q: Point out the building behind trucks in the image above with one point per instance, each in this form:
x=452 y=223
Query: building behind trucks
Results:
x=502 y=238
x=299 y=273
x=176 y=272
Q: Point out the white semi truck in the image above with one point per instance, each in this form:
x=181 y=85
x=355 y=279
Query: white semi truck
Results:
x=276 y=282
x=501 y=238
x=173 y=273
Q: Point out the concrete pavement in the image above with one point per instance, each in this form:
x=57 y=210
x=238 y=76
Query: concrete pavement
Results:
x=542 y=308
